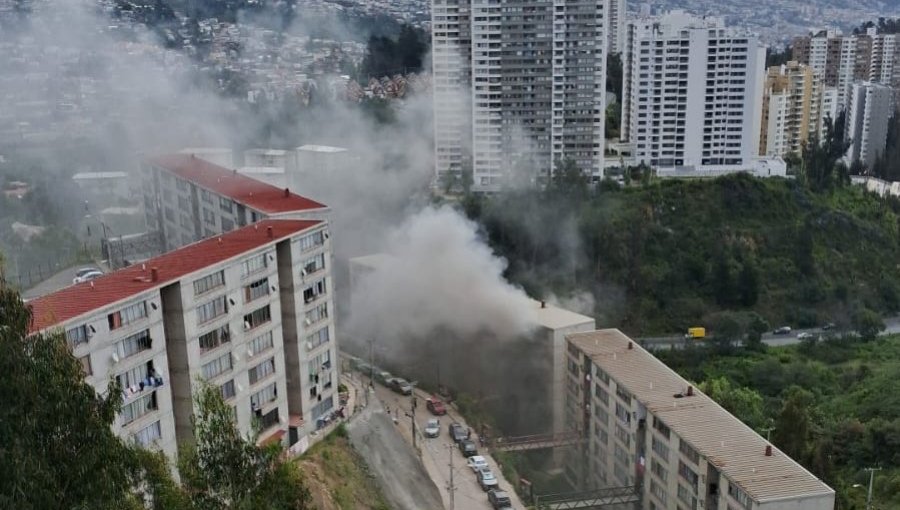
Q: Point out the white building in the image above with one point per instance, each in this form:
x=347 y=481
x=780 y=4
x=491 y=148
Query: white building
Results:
x=869 y=108
x=644 y=426
x=518 y=89
x=221 y=156
x=692 y=94
x=275 y=158
x=187 y=198
x=249 y=311
x=618 y=22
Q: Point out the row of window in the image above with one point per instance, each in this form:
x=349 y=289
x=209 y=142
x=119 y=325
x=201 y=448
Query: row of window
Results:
x=218 y=366
x=138 y=408
x=127 y=315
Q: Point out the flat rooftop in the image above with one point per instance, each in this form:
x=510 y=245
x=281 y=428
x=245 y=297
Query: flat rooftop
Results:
x=321 y=148
x=734 y=448
x=229 y=183
x=554 y=317
x=84 y=298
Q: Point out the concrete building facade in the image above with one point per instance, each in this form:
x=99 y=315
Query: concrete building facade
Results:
x=518 y=88
x=187 y=198
x=250 y=312
x=693 y=93
x=618 y=20
x=869 y=109
x=796 y=106
x=646 y=427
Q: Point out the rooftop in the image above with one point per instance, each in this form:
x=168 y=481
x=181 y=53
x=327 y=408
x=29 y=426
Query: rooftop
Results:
x=99 y=175
x=242 y=189
x=123 y=284
x=553 y=317
x=734 y=448
x=320 y=148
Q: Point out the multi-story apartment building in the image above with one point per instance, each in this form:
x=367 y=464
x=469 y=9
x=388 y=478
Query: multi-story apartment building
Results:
x=187 y=198
x=869 y=109
x=796 y=106
x=249 y=311
x=518 y=87
x=840 y=60
x=618 y=20
x=692 y=93
x=645 y=427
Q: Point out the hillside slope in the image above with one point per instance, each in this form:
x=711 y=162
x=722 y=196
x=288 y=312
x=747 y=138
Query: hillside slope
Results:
x=672 y=254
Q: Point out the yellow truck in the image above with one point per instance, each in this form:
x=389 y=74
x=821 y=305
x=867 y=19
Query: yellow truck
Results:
x=696 y=333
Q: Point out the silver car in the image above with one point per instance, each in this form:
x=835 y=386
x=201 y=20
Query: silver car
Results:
x=432 y=428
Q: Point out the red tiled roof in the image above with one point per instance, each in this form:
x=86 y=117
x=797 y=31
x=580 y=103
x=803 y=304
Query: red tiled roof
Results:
x=240 y=188
x=83 y=298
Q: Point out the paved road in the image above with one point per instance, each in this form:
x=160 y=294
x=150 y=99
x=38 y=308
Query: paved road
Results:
x=56 y=282
x=437 y=452
x=405 y=484
x=892 y=327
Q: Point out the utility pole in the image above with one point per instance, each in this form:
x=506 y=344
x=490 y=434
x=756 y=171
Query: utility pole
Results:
x=451 y=488
x=871 y=481
x=371 y=367
x=412 y=417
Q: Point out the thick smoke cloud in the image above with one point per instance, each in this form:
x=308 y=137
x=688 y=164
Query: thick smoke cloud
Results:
x=441 y=275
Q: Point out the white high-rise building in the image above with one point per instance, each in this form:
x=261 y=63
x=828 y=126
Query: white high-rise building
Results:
x=692 y=94
x=518 y=88
x=618 y=21
x=869 y=108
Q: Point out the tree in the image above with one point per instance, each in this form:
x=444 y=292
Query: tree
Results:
x=792 y=427
x=745 y=403
x=724 y=282
x=223 y=470
x=614 y=75
x=748 y=284
x=726 y=329
x=56 y=440
x=755 y=327
x=569 y=180
x=867 y=324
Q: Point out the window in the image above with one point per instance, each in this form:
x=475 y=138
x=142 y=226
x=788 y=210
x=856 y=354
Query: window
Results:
x=261 y=343
x=253 y=265
x=214 y=338
x=318 y=338
x=228 y=390
x=133 y=344
x=225 y=204
x=313 y=292
x=317 y=314
x=622 y=455
x=256 y=290
x=312 y=240
x=148 y=435
x=317 y=364
x=623 y=435
x=209 y=216
x=227 y=225
x=658 y=491
x=138 y=408
x=77 y=336
x=184 y=203
x=211 y=310
x=127 y=315
x=661 y=427
x=659 y=469
x=263 y=396
x=688 y=452
x=217 y=366
x=688 y=474
x=262 y=370
x=86 y=365
x=136 y=376
x=257 y=317
x=602 y=415
x=181 y=184
x=660 y=448
x=684 y=494
x=313 y=265
x=206 y=196
x=622 y=413
x=623 y=394
x=739 y=495
x=601 y=394
x=209 y=282
x=269 y=419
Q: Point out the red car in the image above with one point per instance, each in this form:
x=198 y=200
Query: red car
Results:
x=435 y=406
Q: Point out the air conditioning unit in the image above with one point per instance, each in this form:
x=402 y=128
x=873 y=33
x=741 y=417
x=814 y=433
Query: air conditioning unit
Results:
x=249 y=353
x=246 y=326
x=115 y=357
x=325 y=234
x=309 y=346
x=231 y=301
x=303 y=272
x=271 y=257
x=307 y=321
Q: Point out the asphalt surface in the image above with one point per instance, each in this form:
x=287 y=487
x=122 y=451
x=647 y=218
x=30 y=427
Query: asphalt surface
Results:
x=57 y=282
x=436 y=453
x=405 y=484
x=892 y=327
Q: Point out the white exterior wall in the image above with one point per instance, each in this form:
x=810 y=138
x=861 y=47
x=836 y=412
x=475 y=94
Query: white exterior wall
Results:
x=100 y=348
x=617 y=21
x=451 y=77
x=775 y=132
x=868 y=113
x=266 y=157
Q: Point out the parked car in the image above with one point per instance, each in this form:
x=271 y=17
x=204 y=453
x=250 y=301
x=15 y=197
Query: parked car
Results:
x=383 y=377
x=487 y=480
x=457 y=432
x=467 y=448
x=476 y=463
x=432 y=428
x=499 y=499
x=806 y=335
x=783 y=330
x=364 y=369
x=86 y=274
x=435 y=406
x=829 y=326
x=401 y=386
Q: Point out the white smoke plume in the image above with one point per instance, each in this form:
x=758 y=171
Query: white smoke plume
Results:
x=441 y=275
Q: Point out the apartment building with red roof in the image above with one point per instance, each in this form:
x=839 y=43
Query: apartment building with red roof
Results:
x=249 y=311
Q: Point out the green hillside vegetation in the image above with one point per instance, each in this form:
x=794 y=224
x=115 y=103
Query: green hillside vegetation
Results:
x=666 y=255
x=833 y=406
